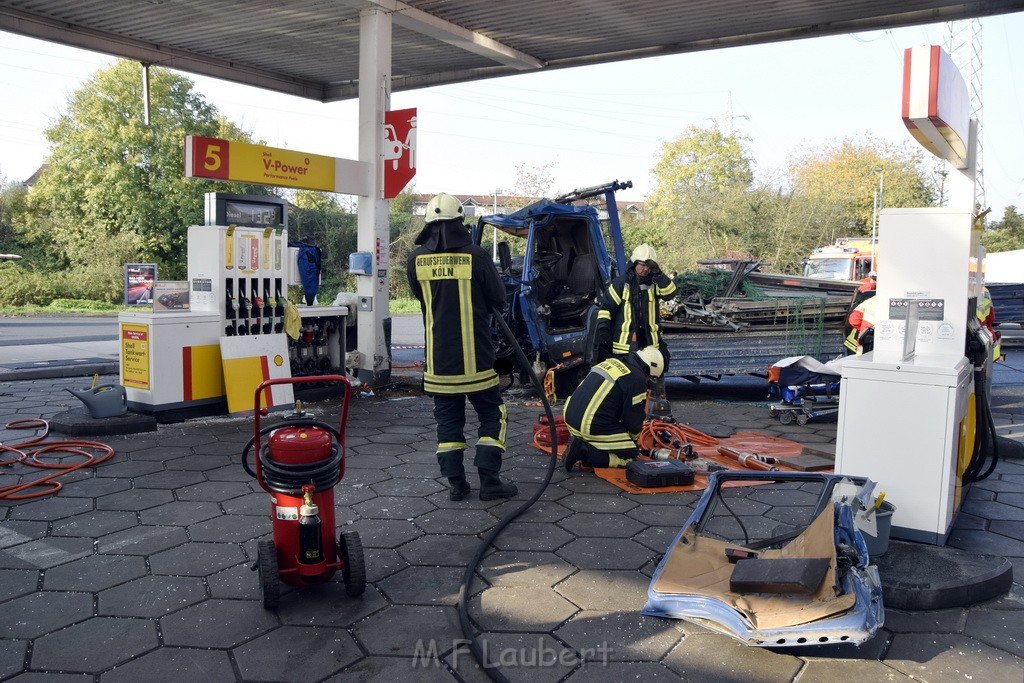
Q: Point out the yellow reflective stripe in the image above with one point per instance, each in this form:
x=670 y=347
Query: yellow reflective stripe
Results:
x=851 y=340
x=488 y=441
x=614 y=295
x=466 y=322
x=449 y=446
x=620 y=348
x=612 y=369
x=595 y=403
x=460 y=388
x=640 y=398
x=652 y=316
x=504 y=425
x=428 y=307
x=604 y=315
x=455 y=379
x=627 y=322
x=620 y=442
x=665 y=291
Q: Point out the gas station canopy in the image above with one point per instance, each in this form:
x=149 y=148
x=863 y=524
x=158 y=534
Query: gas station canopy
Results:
x=310 y=48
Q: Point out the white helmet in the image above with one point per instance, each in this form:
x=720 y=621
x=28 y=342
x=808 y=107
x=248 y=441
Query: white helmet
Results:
x=443 y=207
x=653 y=358
x=643 y=253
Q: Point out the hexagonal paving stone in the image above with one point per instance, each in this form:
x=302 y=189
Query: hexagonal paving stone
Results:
x=151 y=596
x=523 y=568
x=196 y=559
x=15 y=582
x=227 y=473
x=214 y=491
x=423 y=586
x=456 y=521
x=12 y=657
x=45 y=552
x=180 y=513
x=385 y=533
x=606 y=590
x=439 y=550
x=95 y=487
x=382 y=562
x=162 y=454
x=217 y=623
x=998 y=628
x=168 y=480
x=94 y=645
x=96 y=523
x=257 y=503
x=407 y=487
x=605 y=553
x=142 y=540
x=393 y=507
x=620 y=636
x=521 y=657
x=230 y=528
x=942 y=657
x=238 y=582
x=657 y=538
x=13 y=532
x=312 y=652
x=173 y=665
x=129 y=470
x=596 y=502
x=607 y=526
x=51 y=508
x=541 y=511
x=347 y=496
x=429 y=669
x=402 y=630
x=134 y=499
x=327 y=604
x=199 y=463
x=39 y=613
x=984 y=542
x=713 y=657
x=518 y=608
x=532 y=536
x=781 y=495
x=94 y=573
x=414 y=470
x=824 y=671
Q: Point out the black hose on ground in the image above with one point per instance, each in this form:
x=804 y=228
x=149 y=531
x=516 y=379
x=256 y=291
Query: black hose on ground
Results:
x=984 y=409
x=492 y=670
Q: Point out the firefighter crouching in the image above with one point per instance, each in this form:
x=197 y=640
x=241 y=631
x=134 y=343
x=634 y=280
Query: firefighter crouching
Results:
x=458 y=287
x=606 y=411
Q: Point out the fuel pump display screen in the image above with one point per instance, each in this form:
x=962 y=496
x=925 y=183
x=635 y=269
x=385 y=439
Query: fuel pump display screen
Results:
x=254 y=215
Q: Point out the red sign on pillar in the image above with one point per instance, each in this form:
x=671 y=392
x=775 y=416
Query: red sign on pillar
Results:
x=399 y=150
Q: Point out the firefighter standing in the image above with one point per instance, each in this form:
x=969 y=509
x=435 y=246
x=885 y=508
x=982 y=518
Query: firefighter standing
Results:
x=458 y=287
x=628 y=317
x=606 y=411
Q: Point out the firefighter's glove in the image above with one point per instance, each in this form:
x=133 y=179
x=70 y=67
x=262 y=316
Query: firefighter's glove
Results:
x=654 y=267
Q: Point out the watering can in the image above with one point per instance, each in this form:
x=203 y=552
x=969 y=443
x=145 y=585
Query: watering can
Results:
x=104 y=400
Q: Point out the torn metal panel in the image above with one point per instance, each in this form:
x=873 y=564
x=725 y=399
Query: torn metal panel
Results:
x=692 y=581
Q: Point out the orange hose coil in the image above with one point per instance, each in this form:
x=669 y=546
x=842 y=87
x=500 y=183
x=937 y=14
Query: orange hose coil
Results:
x=32 y=457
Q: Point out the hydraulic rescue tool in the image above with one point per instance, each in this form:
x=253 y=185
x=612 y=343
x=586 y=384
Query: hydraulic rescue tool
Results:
x=299 y=465
x=752 y=461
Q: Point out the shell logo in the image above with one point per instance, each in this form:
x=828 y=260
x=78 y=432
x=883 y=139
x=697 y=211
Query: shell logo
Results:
x=278 y=360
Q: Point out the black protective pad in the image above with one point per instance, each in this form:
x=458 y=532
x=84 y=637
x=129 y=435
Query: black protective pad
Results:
x=796 y=575
x=657 y=473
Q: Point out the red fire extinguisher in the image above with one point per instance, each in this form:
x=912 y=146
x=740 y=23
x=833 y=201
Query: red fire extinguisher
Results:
x=299 y=465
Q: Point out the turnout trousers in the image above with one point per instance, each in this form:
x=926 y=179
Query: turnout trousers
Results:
x=450 y=413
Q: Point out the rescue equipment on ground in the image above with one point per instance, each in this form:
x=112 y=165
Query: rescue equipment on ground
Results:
x=299 y=465
x=658 y=473
x=542 y=432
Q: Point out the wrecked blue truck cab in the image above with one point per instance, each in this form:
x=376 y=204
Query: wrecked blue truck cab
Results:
x=554 y=259
x=815 y=584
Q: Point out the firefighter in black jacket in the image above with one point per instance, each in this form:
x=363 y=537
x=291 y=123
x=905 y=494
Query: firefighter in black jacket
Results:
x=458 y=287
x=628 y=316
x=606 y=411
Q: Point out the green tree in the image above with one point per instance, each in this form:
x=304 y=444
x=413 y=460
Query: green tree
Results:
x=840 y=183
x=698 y=207
x=12 y=208
x=1007 y=234
x=114 y=190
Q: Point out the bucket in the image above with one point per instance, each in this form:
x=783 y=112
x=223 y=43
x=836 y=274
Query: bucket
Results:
x=877 y=545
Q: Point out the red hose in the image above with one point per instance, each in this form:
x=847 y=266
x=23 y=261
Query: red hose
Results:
x=33 y=457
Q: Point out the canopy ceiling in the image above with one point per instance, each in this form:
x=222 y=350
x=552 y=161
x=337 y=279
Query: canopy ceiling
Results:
x=310 y=48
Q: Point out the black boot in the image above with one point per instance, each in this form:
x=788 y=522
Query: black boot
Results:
x=459 y=488
x=492 y=487
x=573 y=453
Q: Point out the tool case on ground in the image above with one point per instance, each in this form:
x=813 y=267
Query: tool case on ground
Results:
x=655 y=473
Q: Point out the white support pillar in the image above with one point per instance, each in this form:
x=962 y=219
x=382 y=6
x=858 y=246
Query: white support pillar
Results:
x=373 y=223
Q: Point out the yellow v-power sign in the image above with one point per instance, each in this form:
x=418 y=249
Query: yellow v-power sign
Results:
x=218 y=159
